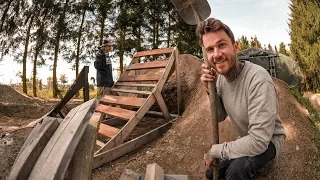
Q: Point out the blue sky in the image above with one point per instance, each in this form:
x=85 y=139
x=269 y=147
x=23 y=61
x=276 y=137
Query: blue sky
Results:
x=267 y=19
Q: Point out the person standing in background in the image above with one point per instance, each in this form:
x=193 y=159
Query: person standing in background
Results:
x=104 y=68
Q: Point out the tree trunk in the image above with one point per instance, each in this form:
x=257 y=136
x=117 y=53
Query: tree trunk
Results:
x=79 y=42
x=103 y=17
x=169 y=31
x=154 y=35
x=34 y=84
x=121 y=53
x=24 y=59
x=56 y=51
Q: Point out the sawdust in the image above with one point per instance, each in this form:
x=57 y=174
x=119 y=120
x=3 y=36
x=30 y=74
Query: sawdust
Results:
x=181 y=149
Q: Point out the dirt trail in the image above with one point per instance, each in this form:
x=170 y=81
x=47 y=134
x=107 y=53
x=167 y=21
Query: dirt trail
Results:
x=181 y=149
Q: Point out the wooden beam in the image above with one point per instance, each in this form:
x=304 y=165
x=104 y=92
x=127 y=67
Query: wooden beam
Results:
x=122 y=100
x=164 y=77
x=177 y=61
x=156 y=113
x=32 y=148
x=81 y=164
x=153 y=52
x=162 y=104
x=127 y=129
x=149 y=65
x=112 y=154
x=107 y=130
x=56 y=156
x=131 y=91
x=154 y=172
x=137 y=78
x=75 y=87
x=117 y=112
x=99 y=143
x=135 y=85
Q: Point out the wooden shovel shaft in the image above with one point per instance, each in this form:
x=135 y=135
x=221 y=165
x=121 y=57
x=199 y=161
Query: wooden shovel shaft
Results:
x=214 y=115
x=213 y=104
x=184 y=7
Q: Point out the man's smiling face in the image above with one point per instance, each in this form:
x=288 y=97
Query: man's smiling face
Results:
x=221 y=52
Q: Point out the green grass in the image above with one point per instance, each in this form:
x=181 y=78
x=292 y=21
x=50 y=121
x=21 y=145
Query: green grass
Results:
x=47 y=94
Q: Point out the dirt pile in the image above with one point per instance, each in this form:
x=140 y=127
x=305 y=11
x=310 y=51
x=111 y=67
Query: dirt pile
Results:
x=181 y=149
x=9 y=95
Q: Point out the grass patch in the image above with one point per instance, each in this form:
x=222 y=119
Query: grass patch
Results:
x=314 y=118
x=46 y=94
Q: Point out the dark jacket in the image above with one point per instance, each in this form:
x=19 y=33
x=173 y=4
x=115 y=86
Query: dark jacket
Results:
x=104 y=70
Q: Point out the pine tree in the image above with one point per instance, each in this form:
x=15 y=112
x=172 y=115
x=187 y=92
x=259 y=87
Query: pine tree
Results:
x=243 y=43
x=255 y=43
x=282 y=49
x=305 y=33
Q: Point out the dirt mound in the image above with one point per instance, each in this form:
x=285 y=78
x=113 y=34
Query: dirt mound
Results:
x=9 y=95
x=181 y=149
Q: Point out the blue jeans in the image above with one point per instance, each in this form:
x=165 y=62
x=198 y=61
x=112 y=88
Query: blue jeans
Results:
x=243 y=168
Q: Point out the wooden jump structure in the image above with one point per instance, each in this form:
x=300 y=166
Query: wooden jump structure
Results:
x=62 y=146
x=140 y=99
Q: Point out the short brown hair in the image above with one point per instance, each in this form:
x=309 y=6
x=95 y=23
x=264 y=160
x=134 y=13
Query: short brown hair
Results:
x=212 y=25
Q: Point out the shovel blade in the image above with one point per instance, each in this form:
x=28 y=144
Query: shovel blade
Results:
x=192 y=11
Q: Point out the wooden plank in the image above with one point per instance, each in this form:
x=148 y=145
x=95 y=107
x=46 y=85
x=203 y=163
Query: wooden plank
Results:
x=112 y=154
x=137 y=78
x=177 y=61
x=81 y=164
x=153 y=52
x=131 y=91
x=99 y=143
x=107 y=130
x=129 y=175
x=156 y=113
x=149 y=65
x=134 y=85
x=162 y=104
x=56 y=156
x=117 y=112
x=32 y=148
x=126 y=130
x=154 y=172
x=122 y=100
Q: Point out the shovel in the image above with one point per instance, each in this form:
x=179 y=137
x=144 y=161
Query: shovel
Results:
x=192 y=12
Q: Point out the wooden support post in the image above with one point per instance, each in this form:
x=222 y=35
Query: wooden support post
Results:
x=177 y=61
x=162 y=104
x=154 y=172
x=86 y=84
x=80 y=167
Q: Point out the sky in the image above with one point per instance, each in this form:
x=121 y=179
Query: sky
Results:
x=266 y=19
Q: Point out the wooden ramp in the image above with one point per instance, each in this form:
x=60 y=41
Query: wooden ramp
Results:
x=138 y=88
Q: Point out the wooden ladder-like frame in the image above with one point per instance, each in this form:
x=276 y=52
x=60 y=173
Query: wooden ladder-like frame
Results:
x=121 y=106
